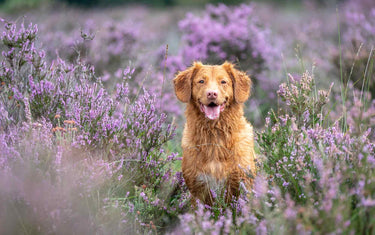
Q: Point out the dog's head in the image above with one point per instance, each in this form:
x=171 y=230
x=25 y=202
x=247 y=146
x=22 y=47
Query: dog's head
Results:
x=212 y=88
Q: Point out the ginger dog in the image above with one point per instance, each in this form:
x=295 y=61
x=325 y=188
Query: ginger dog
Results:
x=217 y=142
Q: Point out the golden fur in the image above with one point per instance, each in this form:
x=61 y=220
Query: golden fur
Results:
x=218 y=146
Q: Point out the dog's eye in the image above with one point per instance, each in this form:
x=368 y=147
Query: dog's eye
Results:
x=201 y=81
x=223 y=82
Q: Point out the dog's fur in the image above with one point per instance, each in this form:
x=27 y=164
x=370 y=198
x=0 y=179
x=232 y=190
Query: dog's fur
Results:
x=218 y=146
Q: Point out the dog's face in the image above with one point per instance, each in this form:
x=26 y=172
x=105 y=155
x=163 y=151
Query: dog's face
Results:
x=212 y=88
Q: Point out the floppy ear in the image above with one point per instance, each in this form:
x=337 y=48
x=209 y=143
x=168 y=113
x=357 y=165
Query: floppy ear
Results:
x=241 y=82
x=182 y=82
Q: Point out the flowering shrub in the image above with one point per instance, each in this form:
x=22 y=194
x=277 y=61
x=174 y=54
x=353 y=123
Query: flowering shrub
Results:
x=288 y=162
x=21 y=61
x=121 y=40
x=314 y=166
x=359 y=110
x=358 y=23
x=123 y=43
x=226 y=33
x=59 y=122
x=356 y=61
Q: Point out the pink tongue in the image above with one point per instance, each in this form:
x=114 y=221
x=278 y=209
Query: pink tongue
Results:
x=212 y=112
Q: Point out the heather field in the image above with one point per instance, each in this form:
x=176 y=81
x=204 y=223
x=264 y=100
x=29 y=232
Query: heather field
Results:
x=90 y=127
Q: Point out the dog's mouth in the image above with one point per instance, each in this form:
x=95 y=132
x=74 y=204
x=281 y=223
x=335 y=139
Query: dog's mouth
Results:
x=212 y=110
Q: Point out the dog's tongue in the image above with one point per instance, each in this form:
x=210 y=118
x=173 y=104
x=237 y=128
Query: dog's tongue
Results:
x=212 y=112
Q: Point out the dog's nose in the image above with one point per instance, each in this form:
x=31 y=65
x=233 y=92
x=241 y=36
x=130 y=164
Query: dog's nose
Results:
x=212 y=94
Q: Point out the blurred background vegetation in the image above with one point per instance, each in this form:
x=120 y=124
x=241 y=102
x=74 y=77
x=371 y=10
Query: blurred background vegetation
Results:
x=17 y=5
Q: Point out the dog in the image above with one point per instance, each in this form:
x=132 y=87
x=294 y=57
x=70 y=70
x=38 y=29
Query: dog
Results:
x=217 y=142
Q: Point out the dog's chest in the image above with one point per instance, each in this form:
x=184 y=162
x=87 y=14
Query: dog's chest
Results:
x=208 y=156
x=214 y=168
x=213 y=174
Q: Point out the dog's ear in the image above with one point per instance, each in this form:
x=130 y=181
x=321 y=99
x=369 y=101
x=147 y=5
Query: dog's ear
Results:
x=241 y=82
x=182 y=82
